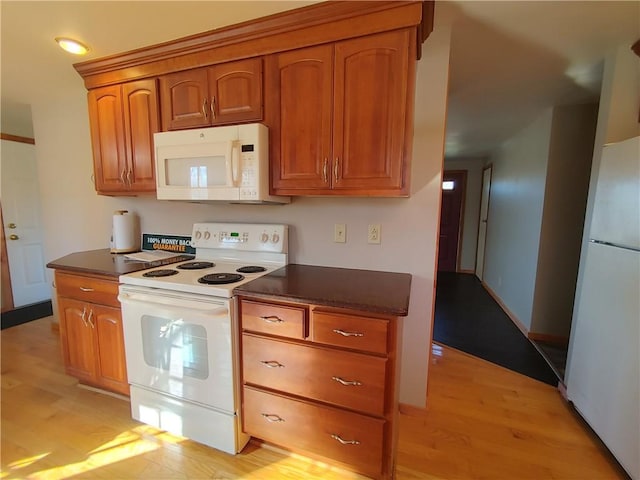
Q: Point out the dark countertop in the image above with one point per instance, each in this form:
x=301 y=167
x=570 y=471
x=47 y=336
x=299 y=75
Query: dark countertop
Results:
x=102 y=262
x=366 y=290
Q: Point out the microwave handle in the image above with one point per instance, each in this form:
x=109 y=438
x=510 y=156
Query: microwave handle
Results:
x=233 y=162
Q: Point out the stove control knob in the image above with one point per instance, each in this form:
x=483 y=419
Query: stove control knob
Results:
x=207 y=235
x=275 y=238
x=198 y=234
x=264 y=238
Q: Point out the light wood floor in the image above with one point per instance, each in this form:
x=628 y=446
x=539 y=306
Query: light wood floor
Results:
x=482 y=422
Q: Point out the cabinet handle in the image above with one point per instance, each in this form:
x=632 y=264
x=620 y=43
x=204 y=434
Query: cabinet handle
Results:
x=129 y=176
x=204 y=107
x=349 y=383
x=347 y=334
x=124 y=171
x=93 y=325
x=85 y=289
x=336 y=169
x=344 y=442
x=325 y=167
x=111 y=320
x=272 y=319
x=213 y=108
x=272 y=417
x=84 y=316
x=271 y=364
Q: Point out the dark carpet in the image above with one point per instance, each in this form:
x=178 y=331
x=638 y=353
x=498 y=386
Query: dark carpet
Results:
x=469 y=319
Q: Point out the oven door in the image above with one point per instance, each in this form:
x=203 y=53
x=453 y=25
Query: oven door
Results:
x=181 y=345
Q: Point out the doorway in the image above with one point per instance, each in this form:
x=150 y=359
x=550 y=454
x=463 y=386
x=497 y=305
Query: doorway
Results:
x=451 y=214
x=483 y=224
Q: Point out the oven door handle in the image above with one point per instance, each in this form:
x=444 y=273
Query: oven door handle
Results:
x=172 y=303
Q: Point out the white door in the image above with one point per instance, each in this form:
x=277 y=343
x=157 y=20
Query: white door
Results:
x=482 y=227
x=22 y=223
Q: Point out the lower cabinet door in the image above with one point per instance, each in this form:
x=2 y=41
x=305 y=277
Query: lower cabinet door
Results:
x=78 y=344
x=353 y=439
x=112 y=368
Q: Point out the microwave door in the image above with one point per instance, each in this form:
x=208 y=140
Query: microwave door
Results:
x=196 y=172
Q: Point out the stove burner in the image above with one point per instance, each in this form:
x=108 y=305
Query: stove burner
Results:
x=220 y=278
x=196 y=265
x=251 y=269
x=165 y=272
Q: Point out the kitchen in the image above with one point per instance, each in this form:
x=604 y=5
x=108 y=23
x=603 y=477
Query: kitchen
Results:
x=67 y=158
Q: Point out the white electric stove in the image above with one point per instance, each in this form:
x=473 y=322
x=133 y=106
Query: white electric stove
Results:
x=181 y=332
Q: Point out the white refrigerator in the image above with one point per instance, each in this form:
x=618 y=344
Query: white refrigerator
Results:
x=603 y=370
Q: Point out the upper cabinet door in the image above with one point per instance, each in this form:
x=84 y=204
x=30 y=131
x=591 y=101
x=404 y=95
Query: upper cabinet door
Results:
x=300 y=108
x=184 y=99
x=223 y=94
x=235 y=91
x=141 y=120
x=372 y=81
x=108 y=139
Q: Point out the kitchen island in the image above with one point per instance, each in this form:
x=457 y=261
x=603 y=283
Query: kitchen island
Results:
x=321 y=360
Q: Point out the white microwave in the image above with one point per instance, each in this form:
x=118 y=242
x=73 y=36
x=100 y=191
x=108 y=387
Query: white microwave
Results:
x=224 y=164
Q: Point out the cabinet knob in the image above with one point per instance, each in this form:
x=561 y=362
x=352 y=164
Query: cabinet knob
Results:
x=13 y=236
x=12 y=225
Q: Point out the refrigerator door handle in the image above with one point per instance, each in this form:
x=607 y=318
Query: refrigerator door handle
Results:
x=616 y=245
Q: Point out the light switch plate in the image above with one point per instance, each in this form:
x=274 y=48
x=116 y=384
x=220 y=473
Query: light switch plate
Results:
x=340 y=233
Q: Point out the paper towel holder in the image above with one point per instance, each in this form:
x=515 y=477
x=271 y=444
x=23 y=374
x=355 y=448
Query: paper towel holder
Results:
x=125 y=237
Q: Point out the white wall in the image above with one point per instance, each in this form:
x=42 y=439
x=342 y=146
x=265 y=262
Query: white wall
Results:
x=471 y=215
x=77 y=219
x=565 y=199
x=515 y=216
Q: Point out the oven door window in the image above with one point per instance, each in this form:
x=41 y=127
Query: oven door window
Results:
x=175 y=347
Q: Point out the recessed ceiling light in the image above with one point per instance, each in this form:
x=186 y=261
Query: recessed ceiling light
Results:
x=72 y=46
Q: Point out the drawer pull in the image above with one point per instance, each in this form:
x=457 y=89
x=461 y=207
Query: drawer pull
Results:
x=272 y=417
x=85 y=289
x=271 y=364
x=345 y=442
x=347 y=334
x=350 y=383
x=272 y=319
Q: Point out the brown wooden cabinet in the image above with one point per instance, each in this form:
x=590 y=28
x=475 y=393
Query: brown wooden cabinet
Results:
x=218 y=95
x=91 y=331
x=123 y=119
x=341 y=116
x=321 y=381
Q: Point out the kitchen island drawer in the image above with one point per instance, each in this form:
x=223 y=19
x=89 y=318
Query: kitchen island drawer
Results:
x=353 y=439
x=273 y=319
x=87 y=289
x=347 y=379
x=350 y=331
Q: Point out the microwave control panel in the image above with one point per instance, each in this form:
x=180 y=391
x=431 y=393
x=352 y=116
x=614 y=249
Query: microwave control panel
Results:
x=249 y=181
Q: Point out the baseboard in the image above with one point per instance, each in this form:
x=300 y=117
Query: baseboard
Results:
x=26 y=314
x=467 y=271
x=412 y=410
x=552 y=339
x=509 y=313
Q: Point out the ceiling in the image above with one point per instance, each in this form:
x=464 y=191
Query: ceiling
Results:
x=509 y=59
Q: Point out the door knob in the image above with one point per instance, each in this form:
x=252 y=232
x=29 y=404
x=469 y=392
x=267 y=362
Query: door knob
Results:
x=12 y=225
x=13 y=237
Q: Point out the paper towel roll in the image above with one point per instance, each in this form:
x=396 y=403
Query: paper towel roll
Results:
x=125 y=237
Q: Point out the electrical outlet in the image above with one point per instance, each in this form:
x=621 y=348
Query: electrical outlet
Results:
x=340 y=233
x=373 y=233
